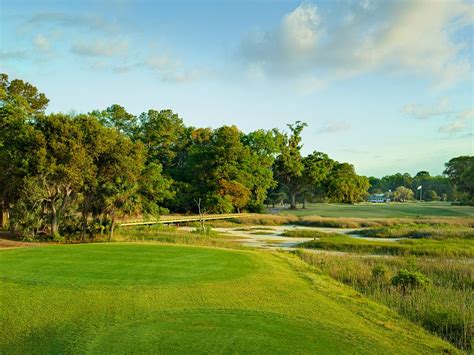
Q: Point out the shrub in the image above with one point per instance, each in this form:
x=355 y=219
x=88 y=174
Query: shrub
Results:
x=298 y=252
x=379 y=271
x=407 y=280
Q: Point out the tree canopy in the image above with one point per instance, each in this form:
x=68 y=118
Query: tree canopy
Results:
x=72 y=175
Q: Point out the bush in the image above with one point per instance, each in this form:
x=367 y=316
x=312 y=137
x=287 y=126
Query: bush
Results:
x=205 y=230
x=298 y=252
x=379 y=271
x=407 y=280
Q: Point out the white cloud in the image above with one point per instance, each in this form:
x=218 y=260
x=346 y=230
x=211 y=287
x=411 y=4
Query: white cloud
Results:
x=162 y=62
x=461 y=123
x=90 y=22
x=286 y=49
x=183 y=76
x=13 y=55
x=300 y=30
x=407 y=37
x=333 y=127
x=171 y=69
x=440 y=108
x=100 y=48
x=311 y=84
x=41 y=43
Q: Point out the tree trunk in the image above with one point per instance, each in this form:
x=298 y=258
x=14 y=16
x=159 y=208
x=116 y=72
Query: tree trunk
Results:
x=304 y=202
x=293 y=201
x=84 y=225
x=54 y=219
x=2 y=222
x=3 y=214
x=201 y=215
x=112 y=227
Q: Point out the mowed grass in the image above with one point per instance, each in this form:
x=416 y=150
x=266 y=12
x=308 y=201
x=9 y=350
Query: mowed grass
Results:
x=146 y=297
x=384 y=210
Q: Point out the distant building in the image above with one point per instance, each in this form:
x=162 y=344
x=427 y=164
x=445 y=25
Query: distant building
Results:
x=378 y=198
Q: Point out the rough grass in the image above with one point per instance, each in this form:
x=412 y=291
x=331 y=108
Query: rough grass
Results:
x=420 y=247
x=309 y=234
x=250 y=229
x=444 y=308
x=336 y=222
x=170 y=234
x=438 y=232
x=147 y=297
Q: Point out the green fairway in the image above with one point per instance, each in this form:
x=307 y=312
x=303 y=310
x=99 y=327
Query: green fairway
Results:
x=385 y=210
x=123 y=265
x=122 y=298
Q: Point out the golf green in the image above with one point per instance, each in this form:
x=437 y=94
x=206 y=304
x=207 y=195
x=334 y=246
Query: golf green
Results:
x=149 y=298
x=122 y=265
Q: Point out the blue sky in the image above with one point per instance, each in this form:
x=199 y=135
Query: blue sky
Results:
x=384 y=85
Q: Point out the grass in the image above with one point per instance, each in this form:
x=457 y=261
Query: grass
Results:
x=310 y=234
x=444 y=308
x=170 y=234
x=259 y=220
x=439 y=232
x=449 y=248
x=149 y=297
x=385 y=210
x=263 y=233
x=353 y=222
x=250 y=229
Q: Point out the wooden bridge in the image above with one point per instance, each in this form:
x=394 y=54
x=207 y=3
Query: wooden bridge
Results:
x=181 y=219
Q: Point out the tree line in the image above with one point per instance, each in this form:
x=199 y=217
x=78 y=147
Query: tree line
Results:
x=456 y=183
x=73 y=175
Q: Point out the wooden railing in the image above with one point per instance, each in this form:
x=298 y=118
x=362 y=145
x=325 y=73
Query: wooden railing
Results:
x=181 y=219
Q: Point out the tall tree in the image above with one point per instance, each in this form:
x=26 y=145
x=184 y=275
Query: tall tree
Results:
x=264 y=146
x=460 y=171
x=117 y=117
x=20 y=103
x=317 y=169
x=65 y=164
x=164 y=136
x=289 y=164
x=346 y=186
x=403 y=194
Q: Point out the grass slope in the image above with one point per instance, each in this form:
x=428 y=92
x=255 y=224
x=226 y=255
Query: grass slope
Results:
x=121 y=298
x=384 y=210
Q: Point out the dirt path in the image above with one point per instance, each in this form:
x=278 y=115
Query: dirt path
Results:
x=9 y=244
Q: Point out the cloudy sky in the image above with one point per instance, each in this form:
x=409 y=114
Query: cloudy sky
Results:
x=384 y=85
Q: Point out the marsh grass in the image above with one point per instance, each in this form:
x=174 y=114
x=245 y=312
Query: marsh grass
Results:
x=254 y=229
x=262 y=232
x=172 y=235
x=420 y=247
x=445 y=307
x=259 y=220
x=310 y=234
x=339 y=222
x=437 y=232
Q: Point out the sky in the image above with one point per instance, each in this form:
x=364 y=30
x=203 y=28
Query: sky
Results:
x=384 y=85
